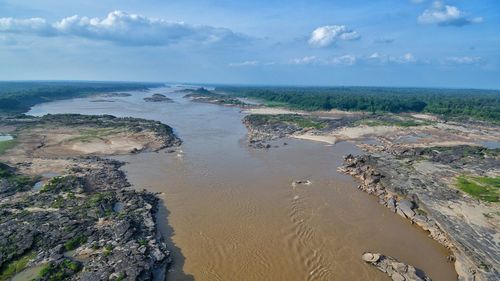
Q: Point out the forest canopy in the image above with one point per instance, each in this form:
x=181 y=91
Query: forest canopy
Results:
x=19 y=97
x=456 y=103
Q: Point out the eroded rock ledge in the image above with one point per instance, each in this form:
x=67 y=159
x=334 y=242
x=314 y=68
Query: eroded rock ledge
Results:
x=418 y=185
x=68 y=214
x=84 y=225
x=398 y=271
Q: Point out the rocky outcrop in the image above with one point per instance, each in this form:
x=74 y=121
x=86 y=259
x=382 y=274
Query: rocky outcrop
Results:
x=260 y=132
x=398 y=271
x=162 y=135
x=111 y=229
x=263 y=128
x=207 y=96
x=405 y=205
x=414 y=184
x=158 y=98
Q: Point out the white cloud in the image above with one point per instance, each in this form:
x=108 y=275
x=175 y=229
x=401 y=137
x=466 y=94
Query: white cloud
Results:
x=121 y=28
x=304 y=60
x=345 y=60
x=245 y=63
x=403 y=59
x=326 y=35
x=339 y=60
x=442 y=14
x=463 y=60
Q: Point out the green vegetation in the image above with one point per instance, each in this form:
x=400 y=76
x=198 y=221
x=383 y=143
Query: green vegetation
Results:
x=61 y=271
x=10 y=269
x=19 y=97
x=91 y=134
x=75 y=242
x=108 y=250
x=6 y=145
x=484 y=188
x=120 y=277
x=17 y=182
x=293 y=119
x=456 y=103
x=60 y=183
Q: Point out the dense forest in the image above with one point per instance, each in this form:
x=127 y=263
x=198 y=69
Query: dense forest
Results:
x=456 y=103
x=18 y=97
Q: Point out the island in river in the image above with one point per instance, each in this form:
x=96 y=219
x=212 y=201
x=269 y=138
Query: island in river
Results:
x=324 y=224
x=66 y=213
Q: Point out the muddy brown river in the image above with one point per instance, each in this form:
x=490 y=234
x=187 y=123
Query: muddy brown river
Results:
x=231 y=213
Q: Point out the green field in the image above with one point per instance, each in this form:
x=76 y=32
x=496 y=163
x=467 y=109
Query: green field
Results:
x=484 y=188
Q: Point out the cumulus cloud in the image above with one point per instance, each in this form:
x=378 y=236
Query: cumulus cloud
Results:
x=327 y=35
x=121 y=28
x=444 y=15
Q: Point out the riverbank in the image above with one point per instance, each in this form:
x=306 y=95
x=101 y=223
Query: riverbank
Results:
x=413 y=163
x=228 y=210
x=68 y=213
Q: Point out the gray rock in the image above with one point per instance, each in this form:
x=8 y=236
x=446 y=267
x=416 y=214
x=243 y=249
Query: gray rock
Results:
x=398 y=271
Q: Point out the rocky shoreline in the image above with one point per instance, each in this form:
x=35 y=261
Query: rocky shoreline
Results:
x=413 y=184
x=83 y=222
x=411 y=174
x=84 y=225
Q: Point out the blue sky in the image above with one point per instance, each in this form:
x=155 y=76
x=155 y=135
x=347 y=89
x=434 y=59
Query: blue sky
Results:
x=447 y=43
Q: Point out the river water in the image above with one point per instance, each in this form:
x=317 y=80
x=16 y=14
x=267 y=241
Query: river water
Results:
x=231 y=213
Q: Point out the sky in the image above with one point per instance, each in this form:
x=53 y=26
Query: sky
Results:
x=417 y=43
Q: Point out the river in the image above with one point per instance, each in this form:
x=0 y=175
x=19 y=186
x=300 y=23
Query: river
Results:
x=230 y=212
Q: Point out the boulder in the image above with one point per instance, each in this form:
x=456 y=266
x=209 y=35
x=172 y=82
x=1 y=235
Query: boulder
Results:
x=398 y=271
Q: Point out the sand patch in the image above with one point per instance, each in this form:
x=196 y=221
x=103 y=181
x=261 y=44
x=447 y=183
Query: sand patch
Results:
x=272 y=111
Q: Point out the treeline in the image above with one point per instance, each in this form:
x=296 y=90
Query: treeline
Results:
x=18 y=97
x=463 y=103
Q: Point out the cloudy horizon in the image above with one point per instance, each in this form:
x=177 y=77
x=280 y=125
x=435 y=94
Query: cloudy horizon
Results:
x=357 y=43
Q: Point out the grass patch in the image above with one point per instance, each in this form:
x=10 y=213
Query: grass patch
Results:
x=14 y=267
x=484 y=188
x=91 y=134
x=6 y=145
x=60 y=183
x=75 y=242
x=60 y=272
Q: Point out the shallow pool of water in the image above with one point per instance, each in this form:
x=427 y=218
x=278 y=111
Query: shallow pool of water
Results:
x=6 y=137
